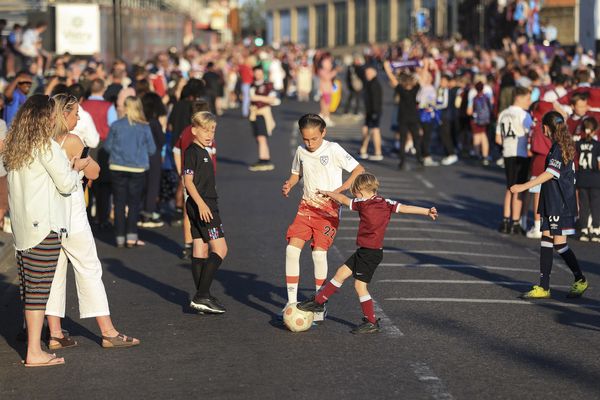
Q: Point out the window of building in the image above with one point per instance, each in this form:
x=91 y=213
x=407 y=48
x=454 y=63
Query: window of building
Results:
x=382 y=31
x=322 y=26
x=302 y=25
x=269 y=27
x=405 y=8
x=341 y=24
x=285 y=24
x=361 y=21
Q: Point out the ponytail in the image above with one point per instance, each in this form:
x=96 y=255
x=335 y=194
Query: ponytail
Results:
x=559 y=133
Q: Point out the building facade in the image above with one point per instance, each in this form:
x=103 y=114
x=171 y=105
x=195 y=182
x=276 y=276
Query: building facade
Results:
x=341 y=24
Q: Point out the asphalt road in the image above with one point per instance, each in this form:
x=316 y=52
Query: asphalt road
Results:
x=453 y=327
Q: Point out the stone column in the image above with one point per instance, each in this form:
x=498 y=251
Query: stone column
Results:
x=393 y=20
x=276 y=26
x=372 y=22
x=331 y=28
x=312 y=23
x=294 y=25
x=351 y=20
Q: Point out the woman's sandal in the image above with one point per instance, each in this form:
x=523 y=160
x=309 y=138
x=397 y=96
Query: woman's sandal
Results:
x=134 y=243
x=63 y=342
x=118 y=341
x=54 y=360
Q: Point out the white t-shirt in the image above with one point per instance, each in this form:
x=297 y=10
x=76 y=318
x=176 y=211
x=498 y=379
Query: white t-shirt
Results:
x=86 y=129
x=29 y=43
x=321 y=169
x=513 y=125
x=554 y=94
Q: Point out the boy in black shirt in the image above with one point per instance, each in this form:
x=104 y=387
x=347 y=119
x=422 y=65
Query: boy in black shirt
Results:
x=203 y=211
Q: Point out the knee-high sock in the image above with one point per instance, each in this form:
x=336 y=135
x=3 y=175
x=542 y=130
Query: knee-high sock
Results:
x=208 y=274
x=320 y=260
x=546 y=254
x=197 y=266
x=292 y=272
x=368 y=309
x=569 y=257
x=327 y=291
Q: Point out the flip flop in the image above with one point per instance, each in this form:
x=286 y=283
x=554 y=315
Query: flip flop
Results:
x=50 y=363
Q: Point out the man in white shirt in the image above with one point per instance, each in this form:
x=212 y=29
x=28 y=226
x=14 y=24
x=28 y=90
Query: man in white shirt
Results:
x=85 y=128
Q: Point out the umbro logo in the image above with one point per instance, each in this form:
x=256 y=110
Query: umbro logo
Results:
x=206 y=159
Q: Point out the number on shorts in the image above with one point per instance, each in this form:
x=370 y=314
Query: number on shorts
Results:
x=329 y=231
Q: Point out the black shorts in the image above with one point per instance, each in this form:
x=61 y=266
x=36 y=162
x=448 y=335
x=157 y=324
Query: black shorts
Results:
x=203 y=230
x=558 y=225
x=371 y=121
x=259 y=126
x=517 y=170
x=364 y=262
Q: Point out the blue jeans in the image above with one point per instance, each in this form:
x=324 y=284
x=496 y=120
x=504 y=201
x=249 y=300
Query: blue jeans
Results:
x=245 y=99
x=127 y=193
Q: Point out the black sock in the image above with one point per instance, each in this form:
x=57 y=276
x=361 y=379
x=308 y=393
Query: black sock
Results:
x=208 y=273
x=197 y=266
x=569 y=257
x=546 y=255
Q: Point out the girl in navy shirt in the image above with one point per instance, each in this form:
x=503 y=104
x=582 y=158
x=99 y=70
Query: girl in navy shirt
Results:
x=558 y=206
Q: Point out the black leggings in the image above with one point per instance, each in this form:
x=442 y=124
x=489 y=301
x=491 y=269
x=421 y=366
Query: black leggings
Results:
x=411 y=126
x=446 y=135
x=353 y=95
x=589 y=203
x=426 y=140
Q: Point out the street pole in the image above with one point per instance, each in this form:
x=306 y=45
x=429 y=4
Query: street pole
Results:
x=454 y=17
x=117 y=28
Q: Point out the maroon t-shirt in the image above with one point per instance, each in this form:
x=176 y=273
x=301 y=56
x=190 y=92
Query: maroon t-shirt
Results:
x=374 y=214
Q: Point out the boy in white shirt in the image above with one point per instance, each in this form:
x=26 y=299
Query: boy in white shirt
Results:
x=512 y=133
x=320 y=164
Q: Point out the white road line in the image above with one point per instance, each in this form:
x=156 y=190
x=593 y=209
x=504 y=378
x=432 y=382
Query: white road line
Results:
x=427 y=184
x=494 y=301
x=452 y=202
x=434 y=385
x=460 y=266
x=466 y=282
x=456 y=253
x=410 y=229
x=411 y=239
x=386 y=324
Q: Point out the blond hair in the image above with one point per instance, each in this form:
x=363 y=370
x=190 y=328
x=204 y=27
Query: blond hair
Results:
x=63 y=104
x=365 y=181
x=30 y=132
x=134 y=111
x=204 y=119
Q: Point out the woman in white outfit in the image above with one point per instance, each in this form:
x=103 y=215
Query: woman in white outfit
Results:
x=79 y=247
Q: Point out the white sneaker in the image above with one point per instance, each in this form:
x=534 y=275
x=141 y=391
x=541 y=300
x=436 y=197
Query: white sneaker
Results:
x=449 y=160
x=376 y=157
x=430 y=162
x=364 y=156
x=534 y=233
x=320 y=316
x=500 y=162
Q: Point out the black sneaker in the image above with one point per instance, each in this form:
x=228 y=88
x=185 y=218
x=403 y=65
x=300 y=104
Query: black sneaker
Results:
x=504 y=227
x=516 y=229
x=207 y=304
x=366 y=327
x=311 y=305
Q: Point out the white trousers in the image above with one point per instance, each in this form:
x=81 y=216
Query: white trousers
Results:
x=80 y=249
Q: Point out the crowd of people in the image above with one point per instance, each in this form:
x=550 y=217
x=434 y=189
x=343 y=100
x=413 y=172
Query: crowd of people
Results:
x=140 y=121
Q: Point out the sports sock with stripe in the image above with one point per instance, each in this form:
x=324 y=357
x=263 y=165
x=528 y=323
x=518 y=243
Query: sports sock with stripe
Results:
x=569 y=257
x=368 y=309
x=328 y=290
x=292 y=272
x=320 y=260
x=546 y=255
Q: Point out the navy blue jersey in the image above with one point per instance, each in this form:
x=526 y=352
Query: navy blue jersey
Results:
x=588 y=173
x=558 y=194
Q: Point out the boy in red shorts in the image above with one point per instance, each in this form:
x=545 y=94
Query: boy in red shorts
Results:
x=375 y=213
x=319 y=163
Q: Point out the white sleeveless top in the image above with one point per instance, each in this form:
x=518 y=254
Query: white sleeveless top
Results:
x=78 y=214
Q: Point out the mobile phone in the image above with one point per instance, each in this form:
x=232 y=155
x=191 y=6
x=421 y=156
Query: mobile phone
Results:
x=84 y=154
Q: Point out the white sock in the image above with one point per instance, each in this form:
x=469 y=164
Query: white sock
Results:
x=292 y=272
x=537 y=224
x=320 y=260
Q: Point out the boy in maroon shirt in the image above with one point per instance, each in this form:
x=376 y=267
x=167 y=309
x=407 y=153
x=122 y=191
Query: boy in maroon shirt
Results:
x=374 y=212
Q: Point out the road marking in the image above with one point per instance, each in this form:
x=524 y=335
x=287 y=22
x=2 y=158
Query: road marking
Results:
x=466 y=282
x=453 y=202
x=547 y=302
x=460 y=266
x=456 y=253
x=411 y=239
x=434 y=385
x=427 y=184
x=386 y=324
x=410 y=229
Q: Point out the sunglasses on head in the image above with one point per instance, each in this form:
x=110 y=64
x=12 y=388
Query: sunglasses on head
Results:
x=25 y=83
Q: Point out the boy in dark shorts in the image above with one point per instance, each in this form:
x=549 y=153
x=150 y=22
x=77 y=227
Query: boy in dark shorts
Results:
x=375 y=213
x=262 y=97
x=203 y=211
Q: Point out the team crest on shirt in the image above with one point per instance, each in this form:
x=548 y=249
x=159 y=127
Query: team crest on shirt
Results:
x=324 y=160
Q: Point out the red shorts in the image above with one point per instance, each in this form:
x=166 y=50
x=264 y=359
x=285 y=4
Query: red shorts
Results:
x=478 y=129
x=320 y=229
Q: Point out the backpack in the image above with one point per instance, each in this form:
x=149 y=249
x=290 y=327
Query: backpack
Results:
x=482 y=110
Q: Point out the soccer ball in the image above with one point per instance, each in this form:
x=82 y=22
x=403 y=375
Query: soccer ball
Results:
x=297 y=320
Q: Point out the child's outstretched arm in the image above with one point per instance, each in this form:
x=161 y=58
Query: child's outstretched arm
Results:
x=359 y=169
x=340 y=198
x=289 y=184
x=429 y=212
x=540 y=179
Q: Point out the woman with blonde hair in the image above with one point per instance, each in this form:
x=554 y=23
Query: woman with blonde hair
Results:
x=79 y=248
x=40 y=178
x=130 y=145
